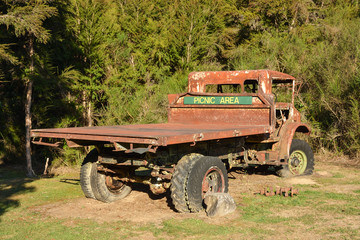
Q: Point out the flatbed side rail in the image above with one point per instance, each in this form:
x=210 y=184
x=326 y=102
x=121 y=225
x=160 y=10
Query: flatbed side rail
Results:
x=41 y=142
x=162 y=135
x=94 y=138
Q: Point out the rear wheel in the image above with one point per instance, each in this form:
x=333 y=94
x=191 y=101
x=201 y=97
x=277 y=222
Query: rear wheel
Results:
x=85 y=173
x=208 y=175
x=108 y=188
x=179 y=181
x=301 y=160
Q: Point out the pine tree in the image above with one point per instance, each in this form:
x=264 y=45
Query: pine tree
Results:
x=26 y=19
x=91 y=25
x=6 y=55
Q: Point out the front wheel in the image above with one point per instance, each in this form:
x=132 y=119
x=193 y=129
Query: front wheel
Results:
x=107 y=188
x=301 y=160
x=208 y=175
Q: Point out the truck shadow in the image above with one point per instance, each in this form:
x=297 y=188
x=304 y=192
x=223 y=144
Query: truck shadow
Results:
x=146 y=189
x=12 y=183
x=137 y=187
x=256 y=170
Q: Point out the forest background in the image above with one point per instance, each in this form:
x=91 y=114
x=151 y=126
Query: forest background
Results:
x=70 y=63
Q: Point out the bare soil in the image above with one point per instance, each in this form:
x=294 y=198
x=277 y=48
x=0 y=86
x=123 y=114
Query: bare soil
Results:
x=141 y=206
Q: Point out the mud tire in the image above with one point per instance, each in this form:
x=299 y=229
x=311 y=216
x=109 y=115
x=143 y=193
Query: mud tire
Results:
x=85 y=173
x=179 y=181
x=208 y=175
x=106 y=188
x=303 y=147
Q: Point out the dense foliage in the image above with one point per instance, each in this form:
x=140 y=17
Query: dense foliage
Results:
x=102 y=62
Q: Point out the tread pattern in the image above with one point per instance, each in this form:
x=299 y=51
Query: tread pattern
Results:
x=298 y=144
x=101 y=191
x=196 y=176
x=85 y=173
x=179 y=181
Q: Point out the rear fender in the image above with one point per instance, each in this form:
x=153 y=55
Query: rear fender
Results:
x=286 y=136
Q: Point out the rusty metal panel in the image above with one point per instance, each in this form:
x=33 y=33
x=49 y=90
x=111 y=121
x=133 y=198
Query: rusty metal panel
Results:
x=286 y=136
x=199 y=80
x=154 y=134
x=236 y=116
x=218 y=132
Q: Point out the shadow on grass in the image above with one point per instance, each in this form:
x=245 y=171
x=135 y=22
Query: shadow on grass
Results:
x=254 y=170
x=12 y=183
x=70 y=181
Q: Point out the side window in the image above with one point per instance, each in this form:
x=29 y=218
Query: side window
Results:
x=223 y=88
x=251 y=86
x=213 y=88
x=282 y=90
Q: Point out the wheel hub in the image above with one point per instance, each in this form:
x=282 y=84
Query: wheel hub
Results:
x=295 y=162
x=298 y=162
x=113 y=184
x=213 y=181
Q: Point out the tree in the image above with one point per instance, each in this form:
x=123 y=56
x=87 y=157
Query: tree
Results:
x=91 y=24
x=26 y=19
x=5 y=54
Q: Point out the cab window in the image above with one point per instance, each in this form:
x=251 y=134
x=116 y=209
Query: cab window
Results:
x=251 y=86
x=223 y=88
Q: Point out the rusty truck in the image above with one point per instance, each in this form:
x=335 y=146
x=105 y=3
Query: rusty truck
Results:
x=225 y=120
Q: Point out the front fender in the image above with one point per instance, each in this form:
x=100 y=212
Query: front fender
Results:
x=286 y=136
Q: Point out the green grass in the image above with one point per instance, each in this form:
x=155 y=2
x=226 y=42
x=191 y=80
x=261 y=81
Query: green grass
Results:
x=338 y=175
x=355 y=180
x=193 y=227
x=315 y=213
x=357 y=191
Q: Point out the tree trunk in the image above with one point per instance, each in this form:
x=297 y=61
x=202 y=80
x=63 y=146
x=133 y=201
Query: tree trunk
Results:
x=30 y=171
x=189 y=43
x=89 y=114
x=83 y=96
x=28 y=100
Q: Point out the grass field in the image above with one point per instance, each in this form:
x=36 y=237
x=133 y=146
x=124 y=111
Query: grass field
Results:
x=327 y=207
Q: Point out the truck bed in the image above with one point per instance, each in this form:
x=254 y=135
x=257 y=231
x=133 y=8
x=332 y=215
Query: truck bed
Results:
x=162 y=134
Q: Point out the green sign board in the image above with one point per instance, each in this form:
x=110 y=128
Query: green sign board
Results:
x=212 y=100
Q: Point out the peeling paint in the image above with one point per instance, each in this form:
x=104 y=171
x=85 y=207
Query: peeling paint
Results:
x=198 y=76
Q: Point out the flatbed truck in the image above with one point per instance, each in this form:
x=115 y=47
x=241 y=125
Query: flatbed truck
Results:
x=225 y=120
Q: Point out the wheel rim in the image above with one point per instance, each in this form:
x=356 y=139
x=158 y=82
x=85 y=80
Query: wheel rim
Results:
x=113 y=185
x=213 y=181
x=297 y=162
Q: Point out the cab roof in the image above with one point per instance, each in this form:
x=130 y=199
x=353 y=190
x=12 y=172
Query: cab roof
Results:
x=199 y=80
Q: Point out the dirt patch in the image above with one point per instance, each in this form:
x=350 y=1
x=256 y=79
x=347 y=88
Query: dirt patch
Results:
x=138 y=207
x=322 y=174
x=294 y=212
x=141 y=206
x=301 y=181
x=344 y=188
x=240 y=183
x=340 y=221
